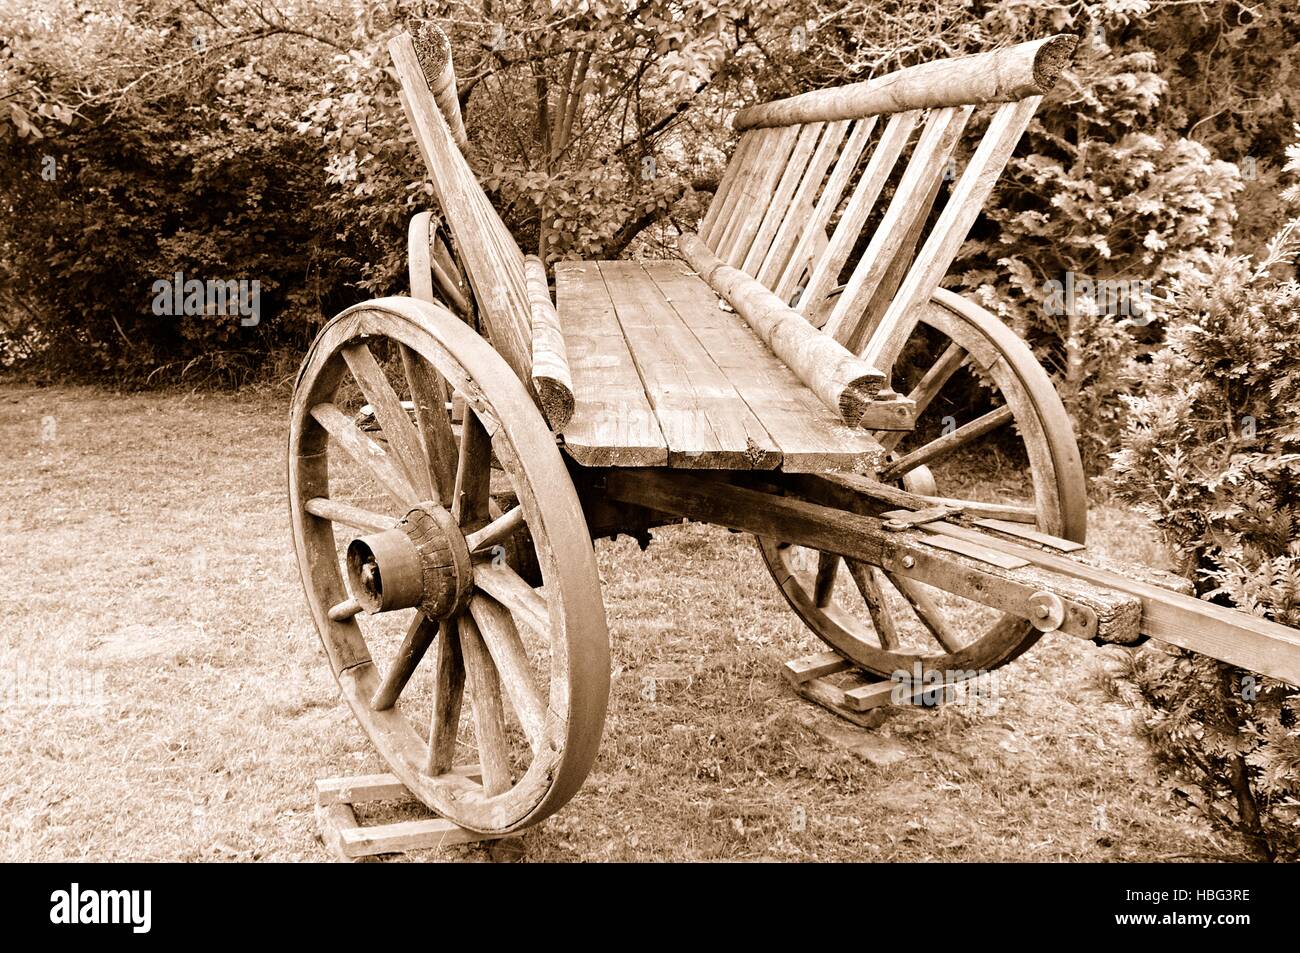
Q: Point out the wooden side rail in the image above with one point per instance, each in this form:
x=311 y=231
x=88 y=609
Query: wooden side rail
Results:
x=999 y=76
x=828 y=156
x=552 y=378
x=493 y=262
x=844 y=383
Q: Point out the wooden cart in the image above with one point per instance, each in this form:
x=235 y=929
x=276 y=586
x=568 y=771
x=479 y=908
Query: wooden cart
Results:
x=449 y=521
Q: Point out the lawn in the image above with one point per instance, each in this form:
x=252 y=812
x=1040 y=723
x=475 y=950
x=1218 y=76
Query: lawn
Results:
x=152 y=588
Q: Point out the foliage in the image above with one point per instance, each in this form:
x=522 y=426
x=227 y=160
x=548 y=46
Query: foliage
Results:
x=231 y=140
x=1211 y=453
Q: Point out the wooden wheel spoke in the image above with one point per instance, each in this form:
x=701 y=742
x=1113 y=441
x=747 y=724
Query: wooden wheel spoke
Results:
x=367 y=454
x=419 y=636
x=864 y=577
x=393 y=420
x=828 y=565
x=499 y=530
x=948 y=443
x=927 y=611
x=507 y=650
x=348 y=515
x=952 y=358
x=473 y=475
x=429 y=394
x=510 y=589
x=485 y=699
x=448 y=692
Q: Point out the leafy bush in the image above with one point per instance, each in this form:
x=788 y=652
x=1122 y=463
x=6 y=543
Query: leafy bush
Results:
x=1211 y=453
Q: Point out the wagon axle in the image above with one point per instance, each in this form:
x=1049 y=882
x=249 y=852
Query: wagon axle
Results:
x=422 y=563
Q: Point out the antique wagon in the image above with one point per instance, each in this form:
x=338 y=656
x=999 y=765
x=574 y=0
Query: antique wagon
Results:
x=453 y=454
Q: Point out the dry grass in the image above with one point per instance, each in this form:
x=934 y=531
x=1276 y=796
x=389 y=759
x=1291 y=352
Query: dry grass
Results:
x=147 y=544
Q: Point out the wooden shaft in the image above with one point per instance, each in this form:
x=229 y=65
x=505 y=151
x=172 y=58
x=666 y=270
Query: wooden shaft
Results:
x=433 y=50
x=551 y=375
x=842 y=381
x=999 y=76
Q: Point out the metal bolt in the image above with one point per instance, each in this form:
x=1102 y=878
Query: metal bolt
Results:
x=1041 y=612
x=908 y=562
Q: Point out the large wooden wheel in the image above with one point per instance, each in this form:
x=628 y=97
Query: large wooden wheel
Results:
x=441 y=529
x=886 y=623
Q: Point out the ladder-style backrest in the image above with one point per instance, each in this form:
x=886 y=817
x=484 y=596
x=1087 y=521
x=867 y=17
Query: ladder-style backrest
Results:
x=492 y=260
x=788 y=178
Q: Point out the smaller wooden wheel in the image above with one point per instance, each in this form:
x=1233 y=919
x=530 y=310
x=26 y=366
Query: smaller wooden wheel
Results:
x=422 y=536
x=972 y=378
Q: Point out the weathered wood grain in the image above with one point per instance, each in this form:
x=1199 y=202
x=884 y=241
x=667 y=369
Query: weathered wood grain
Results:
x=552 y=378
x=841 y=380
x=810 y=436
x=613 y=423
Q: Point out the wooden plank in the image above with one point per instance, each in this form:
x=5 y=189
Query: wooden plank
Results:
x=1012 y=73
x=753 y=201
x=1034 y=536
x=801 y=205
x=799 y=670
x=365 y=788
x=831 y=261
x=723 y=207
x=810 y=437
x=496 y=276
x=401 y=836
x=613 y=423
x=729 y=176
x=705 y=422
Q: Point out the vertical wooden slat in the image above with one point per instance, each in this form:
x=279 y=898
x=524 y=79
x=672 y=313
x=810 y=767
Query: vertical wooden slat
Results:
x=729 y=176
x=929 y=158
x=875 y=310
x=958 y=215
x=858 y=208
x=758 y=191
x=801 y=205
x=782 y=195
x=731 y=210
x=829 y=200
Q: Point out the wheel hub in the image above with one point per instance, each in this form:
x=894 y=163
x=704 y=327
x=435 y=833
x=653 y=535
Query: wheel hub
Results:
x=423 y=562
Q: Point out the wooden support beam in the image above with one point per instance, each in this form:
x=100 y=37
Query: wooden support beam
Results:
x=844 y=383
x=1006 y=75
x=1089 y=611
